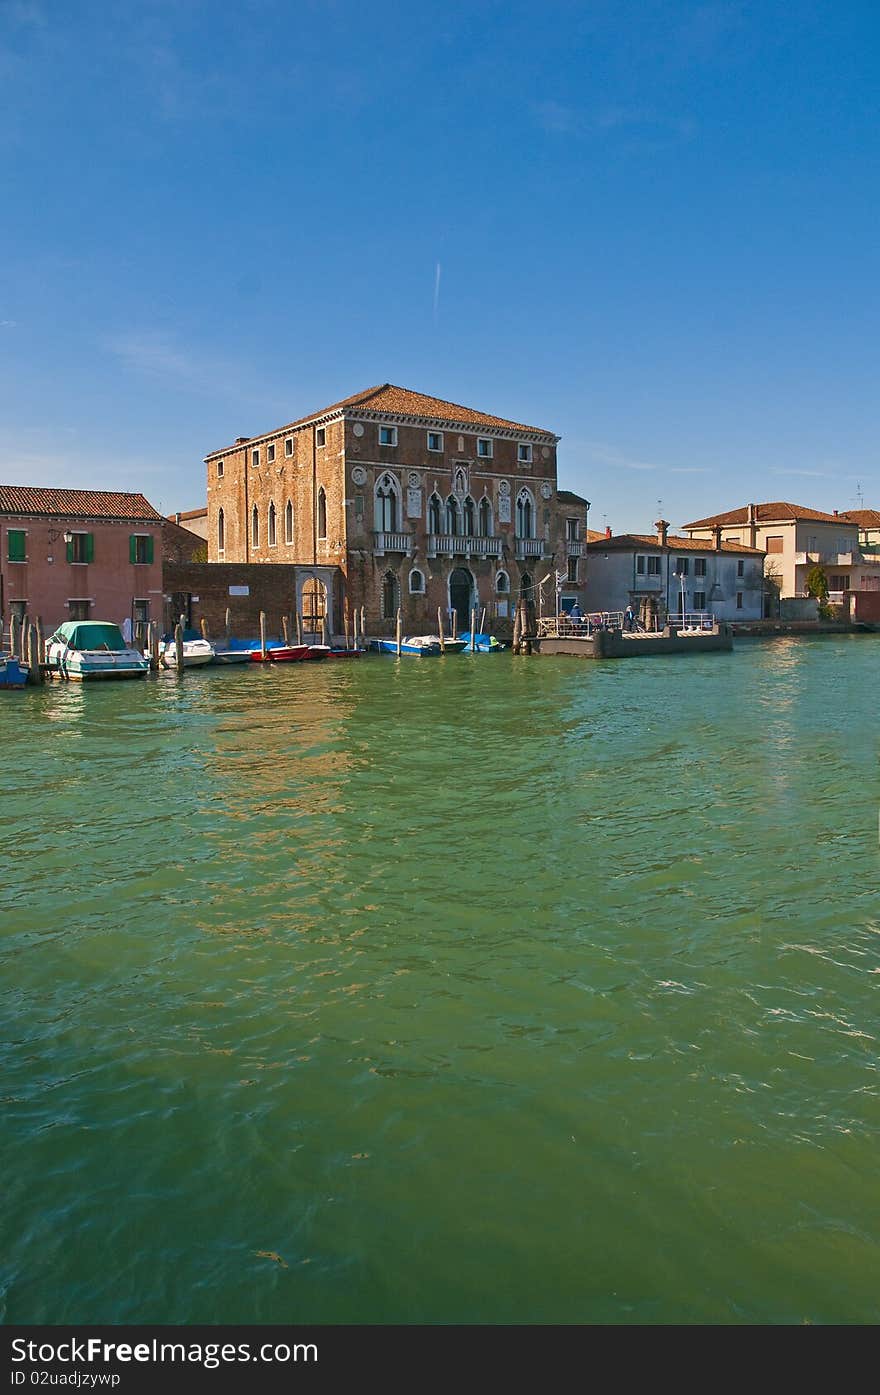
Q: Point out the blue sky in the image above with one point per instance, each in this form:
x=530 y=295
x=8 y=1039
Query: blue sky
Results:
x=650 y=227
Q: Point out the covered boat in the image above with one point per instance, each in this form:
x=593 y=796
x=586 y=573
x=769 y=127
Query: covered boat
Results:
x=12 y=673
x=483 y=644
x=196 y=653
x=86 y=649
x=422 y=646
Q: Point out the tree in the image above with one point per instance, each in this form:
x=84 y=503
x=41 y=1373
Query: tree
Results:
x=816 y=584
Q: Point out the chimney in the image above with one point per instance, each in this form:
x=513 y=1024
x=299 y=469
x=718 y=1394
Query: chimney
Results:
x=177 y=517
x=716 y=537
x=608 y=530
x=836 y=514
x=240 y=440
x=662 y=531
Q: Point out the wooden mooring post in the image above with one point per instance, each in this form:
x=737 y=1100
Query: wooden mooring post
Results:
x=35 y=672
x=299 y=628
x=228 y=625
x=178 y=646
x=454 y=624
x=473 y=644
x=440 y=633
x=399 y=632
x=355 y=627
x=41 y=641
x=345 y=624
x=14 y=636
x=285 y=629
x=363 y=622
x=263 y=633
x=483 y=622
x=203 y=626
x=517 y=627
x=325 y=632
x=153 y=645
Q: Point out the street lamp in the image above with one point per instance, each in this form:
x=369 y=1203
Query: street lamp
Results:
x=53 y=534
x=680 y=578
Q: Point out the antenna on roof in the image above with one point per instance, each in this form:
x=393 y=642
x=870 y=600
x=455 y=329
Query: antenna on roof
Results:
x=860 y=498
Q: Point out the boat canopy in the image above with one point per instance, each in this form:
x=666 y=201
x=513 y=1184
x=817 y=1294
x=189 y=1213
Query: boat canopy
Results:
x=90 y=634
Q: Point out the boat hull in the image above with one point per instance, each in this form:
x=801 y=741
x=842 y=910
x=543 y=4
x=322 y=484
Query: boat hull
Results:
x=92 y=666
x=13 y=675
x=232 y=656
x=281 y=654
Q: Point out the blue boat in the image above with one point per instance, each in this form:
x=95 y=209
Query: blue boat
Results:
x=423 y=649
x=484 y=644
x=12 y=673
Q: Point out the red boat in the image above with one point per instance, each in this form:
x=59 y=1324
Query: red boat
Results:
x=318 y=651
x=345 y=653
x=281 y=654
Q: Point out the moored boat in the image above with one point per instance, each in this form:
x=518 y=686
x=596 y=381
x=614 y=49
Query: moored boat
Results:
x=196 y=653
x=318 y=651
x=12 y=673
x=483 y=644
x=345 y=653
x=422 y=646
x=231 y=656
x=88 y=649
x=278 y=653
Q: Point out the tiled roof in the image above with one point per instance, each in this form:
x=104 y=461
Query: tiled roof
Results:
x=400 y=402
x=765 y=513
x=567 y=496
x=595 y=535
x=865 y=518
x=191 y=513
x=626 y=542
x=76 y=503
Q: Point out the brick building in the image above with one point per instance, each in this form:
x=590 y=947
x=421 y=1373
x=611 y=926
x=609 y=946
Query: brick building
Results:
x=79 y=554
x=392 y=498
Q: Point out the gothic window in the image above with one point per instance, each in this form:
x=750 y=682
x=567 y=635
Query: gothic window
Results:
x=221 y=532
x=435 y=506
x=322 y=513
x=470 y=527
x=386 y=505
x=416 y=582
x=255 y=526
x=485 y=518
x=288 y=523
x=270 y=526
x=502 y=583
x=525 y=511
x=451 y=516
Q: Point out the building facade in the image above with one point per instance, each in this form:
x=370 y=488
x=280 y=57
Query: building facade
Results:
x=654 y=572
x=393 y=499
x=796 y=539
x=79 y=554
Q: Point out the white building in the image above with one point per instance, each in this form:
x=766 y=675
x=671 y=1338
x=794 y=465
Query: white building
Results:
x=650 y=572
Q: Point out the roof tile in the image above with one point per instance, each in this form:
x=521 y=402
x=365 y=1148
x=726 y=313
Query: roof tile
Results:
x=76 y=503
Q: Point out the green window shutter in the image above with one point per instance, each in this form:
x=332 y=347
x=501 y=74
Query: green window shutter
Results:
x=132 y=548
x=90 y=547
x=17 y=542
x=70 y=551
x=149 y=557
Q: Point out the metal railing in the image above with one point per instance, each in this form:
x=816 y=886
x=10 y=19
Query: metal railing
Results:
x=564 y=627
x=693 y=620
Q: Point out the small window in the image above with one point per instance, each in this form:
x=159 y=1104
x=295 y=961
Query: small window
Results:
x=572 y=571
x=140 y=549
x=739 y=600
x=288 y=447
x=79 y=610
x=572 y=529
x=654 y=566
x=387 y=435
x=288 y=523
x=699 y=566
x=682 y=565
x=322 y=513
x=524 y=453
x=16 y=545
x=435 y=440
x=741 y=567
x=221 y=532
x=776 y=544
x=502 y=584
x=270 y=527
x=640 y=566
x=699 y=600
x=81 y=548
x=484 y=448
x=416 y=583
x=320 y=436
x=255 y=456
x=270 y=452
x=219 y=469
x=140 y=612
x=255 y=527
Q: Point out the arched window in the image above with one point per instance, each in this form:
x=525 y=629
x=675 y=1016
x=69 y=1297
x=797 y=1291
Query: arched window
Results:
x=390 y=596
x=451 y=516
x=386 y=505
x=255 y=527
x=322 y=513
x=470 y=522
x=525 y=510
x=270 y=528
x=485 y=518
x=288 y=523
x=221 y=532
x=435 y=514
x=416 y=582
x=502 y=583
x=460 y=482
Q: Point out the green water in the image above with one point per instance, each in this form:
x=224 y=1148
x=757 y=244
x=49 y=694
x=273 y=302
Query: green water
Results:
x=478 y=989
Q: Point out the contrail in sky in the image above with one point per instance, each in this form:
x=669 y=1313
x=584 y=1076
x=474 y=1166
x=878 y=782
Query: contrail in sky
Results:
x=436 y=291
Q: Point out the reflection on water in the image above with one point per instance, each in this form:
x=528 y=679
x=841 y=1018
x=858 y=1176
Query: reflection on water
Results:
x=481 y=989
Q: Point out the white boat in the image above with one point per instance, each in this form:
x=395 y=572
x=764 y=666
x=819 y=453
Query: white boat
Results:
x=87 y=649
x=232 y=656
x=196 y=653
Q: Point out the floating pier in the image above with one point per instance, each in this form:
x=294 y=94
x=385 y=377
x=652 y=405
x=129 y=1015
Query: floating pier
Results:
x=607 y=639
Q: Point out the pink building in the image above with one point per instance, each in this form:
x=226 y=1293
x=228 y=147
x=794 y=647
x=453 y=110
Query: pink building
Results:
x=78 y=554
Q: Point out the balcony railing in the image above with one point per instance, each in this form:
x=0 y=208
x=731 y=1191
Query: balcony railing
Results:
x=574 y=547
x=648 y=581
x=391 y=542
x=464 y=545
x=530 y=547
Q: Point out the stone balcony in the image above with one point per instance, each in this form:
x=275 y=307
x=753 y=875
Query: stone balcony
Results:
x=392 y=542
x=529 y=547
x=574 y=547
x=463 y=545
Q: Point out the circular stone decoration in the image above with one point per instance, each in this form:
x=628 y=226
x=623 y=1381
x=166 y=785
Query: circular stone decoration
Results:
x=358 y=475
x=358 y=429
x=504 y=487
x=546 y=490
x=545 y=451
x=413 y=479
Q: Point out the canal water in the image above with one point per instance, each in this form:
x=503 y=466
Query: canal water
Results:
x=479 y=989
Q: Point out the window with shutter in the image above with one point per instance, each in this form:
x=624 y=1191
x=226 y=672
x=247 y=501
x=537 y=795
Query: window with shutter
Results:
x=16 y=545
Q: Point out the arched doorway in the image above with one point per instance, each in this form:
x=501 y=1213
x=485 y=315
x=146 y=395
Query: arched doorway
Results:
x=390 y=598
x=314 y=605
x=461 y=595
